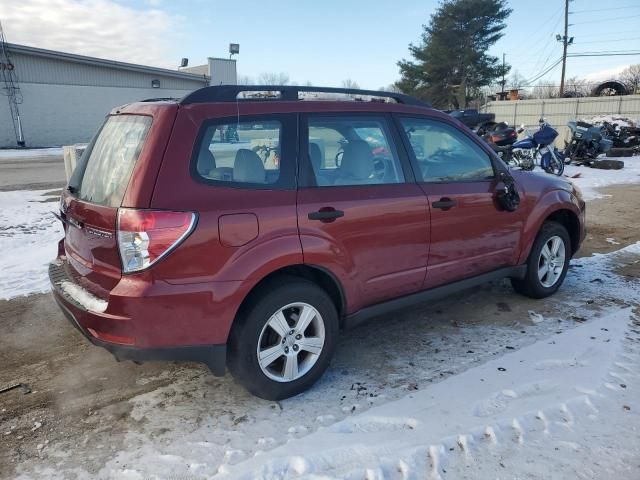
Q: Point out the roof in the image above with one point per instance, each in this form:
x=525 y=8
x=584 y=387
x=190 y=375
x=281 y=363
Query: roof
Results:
x=72 y=57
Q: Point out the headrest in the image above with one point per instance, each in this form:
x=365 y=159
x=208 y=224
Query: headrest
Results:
x=248 y=167
x=357 y=160
x=206 y=161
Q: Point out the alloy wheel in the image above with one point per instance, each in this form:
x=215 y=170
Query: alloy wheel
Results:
x=551 y=261
x=291 y=342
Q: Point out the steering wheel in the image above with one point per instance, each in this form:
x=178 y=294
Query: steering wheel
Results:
x=338 y=158
x=380 y=168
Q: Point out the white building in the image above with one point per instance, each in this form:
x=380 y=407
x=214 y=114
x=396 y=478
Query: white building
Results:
x=66 y=96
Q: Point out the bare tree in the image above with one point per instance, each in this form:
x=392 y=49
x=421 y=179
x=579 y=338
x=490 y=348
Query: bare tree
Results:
x=245 y=80
x=631 y=76
x=516 y=81
x=273 y=78
x=348 y=83
x=390 y=88
x=576 y=87
x=544 y=90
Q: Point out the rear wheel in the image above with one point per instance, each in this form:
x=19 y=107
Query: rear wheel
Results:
x=286 y=339
x=547 y=264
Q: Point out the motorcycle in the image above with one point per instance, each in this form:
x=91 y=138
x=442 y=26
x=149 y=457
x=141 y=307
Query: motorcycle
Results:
x=587 y=142
x=538 y=146
x=622 y=137
x=500 y=138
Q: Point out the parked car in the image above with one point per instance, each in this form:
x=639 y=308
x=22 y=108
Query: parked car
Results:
x=180 y=246
x=481 y=122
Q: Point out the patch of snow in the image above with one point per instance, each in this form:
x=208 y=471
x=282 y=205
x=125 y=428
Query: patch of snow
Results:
x=30 y=152
x=535 y=317
x=591 y=179
x=29 y=235
x=620 y=120
x=612 y=241
x=519 y=413
x=83 y=297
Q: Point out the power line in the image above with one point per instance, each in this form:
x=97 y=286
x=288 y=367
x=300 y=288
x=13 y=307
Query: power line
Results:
x=544 y=49
x=608 y=41
x=540 y=75
x=590 y=35
x=604 y=20
x=609 y=54
x=604 y=9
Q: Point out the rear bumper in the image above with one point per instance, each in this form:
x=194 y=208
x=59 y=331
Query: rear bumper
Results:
x=92 y=326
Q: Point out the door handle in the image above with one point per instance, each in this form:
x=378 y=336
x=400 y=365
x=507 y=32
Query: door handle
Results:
x=444 y=203
x=328 y=215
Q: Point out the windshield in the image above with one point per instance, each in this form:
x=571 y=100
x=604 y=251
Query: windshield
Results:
x=103 y=173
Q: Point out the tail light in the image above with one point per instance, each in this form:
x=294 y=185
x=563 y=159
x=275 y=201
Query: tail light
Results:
x=145 y=236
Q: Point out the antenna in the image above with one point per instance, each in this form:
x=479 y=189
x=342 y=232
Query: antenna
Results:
x=10 y=87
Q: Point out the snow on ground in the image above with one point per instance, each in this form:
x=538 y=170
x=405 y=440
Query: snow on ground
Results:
x=558 y=399
x=29 y=152
x=591 y=179
x=392 y=406
x=29 y=235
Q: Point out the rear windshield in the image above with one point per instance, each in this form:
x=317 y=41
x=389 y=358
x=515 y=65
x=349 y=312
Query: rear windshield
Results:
x=103 y=173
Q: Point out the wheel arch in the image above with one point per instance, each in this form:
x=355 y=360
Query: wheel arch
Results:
x=320 y=276
x=569 y=219
x=559 y=206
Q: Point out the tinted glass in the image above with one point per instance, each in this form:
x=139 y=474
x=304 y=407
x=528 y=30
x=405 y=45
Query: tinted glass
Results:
x=444 y=154
x=352 y=151
x=241 y=152
x=105 y=168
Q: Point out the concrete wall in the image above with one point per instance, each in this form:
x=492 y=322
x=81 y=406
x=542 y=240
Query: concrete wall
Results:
x=54 y=115
x=558 y=111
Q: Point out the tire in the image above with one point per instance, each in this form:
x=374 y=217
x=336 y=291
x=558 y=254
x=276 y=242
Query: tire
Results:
x=606 y=164
x=254 y=332
x=555 y=167
x=620 y=152
x=532 y=285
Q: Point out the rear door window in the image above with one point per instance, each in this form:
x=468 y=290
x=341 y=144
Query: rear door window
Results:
x=242 y=153
x=104 y=171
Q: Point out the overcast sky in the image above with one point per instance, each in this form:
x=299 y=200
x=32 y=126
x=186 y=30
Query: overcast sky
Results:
x=323 y=42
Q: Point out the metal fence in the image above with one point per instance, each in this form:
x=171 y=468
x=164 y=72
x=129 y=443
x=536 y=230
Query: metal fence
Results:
x=558 y=111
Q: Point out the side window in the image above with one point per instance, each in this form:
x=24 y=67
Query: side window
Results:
x=241 y=152
x=352 y=151
x=444 y=154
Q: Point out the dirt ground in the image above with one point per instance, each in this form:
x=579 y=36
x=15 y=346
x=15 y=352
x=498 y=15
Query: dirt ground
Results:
x=79 y=393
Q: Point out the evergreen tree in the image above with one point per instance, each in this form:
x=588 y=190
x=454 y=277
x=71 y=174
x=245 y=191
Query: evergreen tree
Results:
x=451 y=62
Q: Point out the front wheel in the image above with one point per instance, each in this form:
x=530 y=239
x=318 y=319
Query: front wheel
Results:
x=555 y=165
x=547 y=264
x=284 y=340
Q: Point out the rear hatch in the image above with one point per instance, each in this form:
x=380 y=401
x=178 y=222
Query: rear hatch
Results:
x=90 y=204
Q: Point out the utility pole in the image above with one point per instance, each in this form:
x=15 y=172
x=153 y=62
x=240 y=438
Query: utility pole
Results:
x=503 y=81
x=565 y=40
x=10 y=88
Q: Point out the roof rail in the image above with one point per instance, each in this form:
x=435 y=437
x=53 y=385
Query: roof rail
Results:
x=229 y=93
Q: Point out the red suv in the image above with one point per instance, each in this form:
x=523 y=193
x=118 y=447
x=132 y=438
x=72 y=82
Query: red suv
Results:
x=245 y=226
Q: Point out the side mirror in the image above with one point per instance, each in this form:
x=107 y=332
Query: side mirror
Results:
x=507 y=195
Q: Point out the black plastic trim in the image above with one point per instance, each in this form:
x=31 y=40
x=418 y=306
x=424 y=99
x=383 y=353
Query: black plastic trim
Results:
x=432 y=294
x=229 y=93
